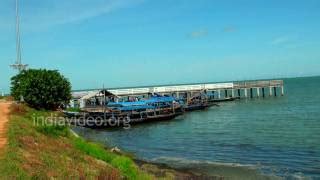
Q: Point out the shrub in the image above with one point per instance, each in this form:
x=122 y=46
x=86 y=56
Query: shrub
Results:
x=41 y=88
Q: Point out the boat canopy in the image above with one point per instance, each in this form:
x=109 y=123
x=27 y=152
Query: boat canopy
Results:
x=146 y=102
x=135 y=108
x=126 y=104
x=162 y=99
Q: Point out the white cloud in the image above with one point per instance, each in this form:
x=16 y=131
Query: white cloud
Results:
x=229 y=29
x=280 y=40
x=46 y=13
x=198 y=34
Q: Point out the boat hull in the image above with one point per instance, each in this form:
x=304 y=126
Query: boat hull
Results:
x=195 y=107
x=112 y=122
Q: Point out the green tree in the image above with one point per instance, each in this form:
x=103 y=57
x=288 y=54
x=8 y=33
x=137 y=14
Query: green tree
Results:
x=41 y=88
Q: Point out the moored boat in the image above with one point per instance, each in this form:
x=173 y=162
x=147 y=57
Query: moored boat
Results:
x=198 y=102
x=156 y=108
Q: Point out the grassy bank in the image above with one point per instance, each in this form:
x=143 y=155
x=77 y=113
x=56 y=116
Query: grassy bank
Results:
x=41 y=151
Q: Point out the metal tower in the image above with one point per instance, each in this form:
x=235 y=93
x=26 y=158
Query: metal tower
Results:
x=18 y=64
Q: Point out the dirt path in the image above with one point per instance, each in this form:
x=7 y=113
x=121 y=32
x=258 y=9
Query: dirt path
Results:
x=4 y=117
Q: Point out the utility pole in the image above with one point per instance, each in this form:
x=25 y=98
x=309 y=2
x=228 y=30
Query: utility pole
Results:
x=18 y=63
x=104 y=104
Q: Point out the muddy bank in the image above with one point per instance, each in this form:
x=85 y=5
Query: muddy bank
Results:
x=203 y=171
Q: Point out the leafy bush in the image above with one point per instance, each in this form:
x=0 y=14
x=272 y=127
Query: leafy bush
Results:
x=41 y=88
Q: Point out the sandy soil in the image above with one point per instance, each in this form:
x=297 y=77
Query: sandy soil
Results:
x=4 y=117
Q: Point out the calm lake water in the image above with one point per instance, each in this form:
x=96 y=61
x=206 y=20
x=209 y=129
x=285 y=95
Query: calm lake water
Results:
x=274 y=136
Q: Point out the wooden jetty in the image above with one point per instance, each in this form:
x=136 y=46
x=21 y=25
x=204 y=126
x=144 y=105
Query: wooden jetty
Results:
x=216 y=92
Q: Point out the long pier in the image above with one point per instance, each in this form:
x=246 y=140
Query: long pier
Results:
x=216 y=91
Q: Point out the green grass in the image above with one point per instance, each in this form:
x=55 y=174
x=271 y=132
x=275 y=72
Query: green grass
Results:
x=39 y=151
x=71 y=109
x=123 y=163
x=3 y=97
x=11 y=163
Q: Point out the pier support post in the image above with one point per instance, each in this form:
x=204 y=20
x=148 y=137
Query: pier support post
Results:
x=232 y=91
x=251 y=93
x=275 y=91
x=258 y=92
x=219 y=94
x=263 y=93
x=239 y=93
x=282 y=90
x=270 y=91
x=246 y=92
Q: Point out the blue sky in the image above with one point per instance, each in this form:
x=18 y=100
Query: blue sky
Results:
x=145 y=42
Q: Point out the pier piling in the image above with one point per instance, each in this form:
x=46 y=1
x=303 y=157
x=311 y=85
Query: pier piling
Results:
x=245 y=92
